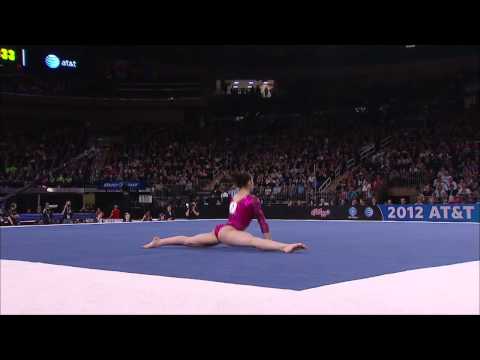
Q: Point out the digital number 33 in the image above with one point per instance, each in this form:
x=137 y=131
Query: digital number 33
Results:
x=7 y=54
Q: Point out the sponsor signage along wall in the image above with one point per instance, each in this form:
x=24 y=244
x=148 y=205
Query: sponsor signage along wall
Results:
x=440 y=212
x=119 y=185
x=436 y=212
x=53 y=61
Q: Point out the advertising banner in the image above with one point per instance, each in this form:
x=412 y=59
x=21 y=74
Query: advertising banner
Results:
x=119 y=185
x=346 y=213
x=58 y=60
x=439 y=212
x=57 y=217
x=429 y=212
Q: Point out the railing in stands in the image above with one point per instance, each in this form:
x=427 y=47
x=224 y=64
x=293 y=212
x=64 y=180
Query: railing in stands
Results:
x=325 y=185
x=385 y=142
x=350 y=163
x=367 y=151
x=338 y=171
x=364 y=152
x=405 y=178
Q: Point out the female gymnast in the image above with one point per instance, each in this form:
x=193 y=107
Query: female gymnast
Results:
x=243 y=208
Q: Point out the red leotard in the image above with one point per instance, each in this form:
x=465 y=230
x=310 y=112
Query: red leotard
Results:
x=242 y=212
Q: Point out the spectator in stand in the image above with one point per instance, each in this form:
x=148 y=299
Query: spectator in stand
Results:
x=281 y=154
x=147 y=216
x=452 y=187
x=323 y=203
x=115 y=214
x=451 y=199
x=127 y=217
x=352 y=194
x=224 y=197
x=419 y=200
x=427 y=191
x=403 y=201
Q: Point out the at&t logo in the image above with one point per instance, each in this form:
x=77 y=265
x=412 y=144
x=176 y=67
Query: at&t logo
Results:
x=53 y=62
x=368 y=212
x=352 y=212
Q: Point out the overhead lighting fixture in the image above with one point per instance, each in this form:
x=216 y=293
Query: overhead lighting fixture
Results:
x=236 y=82
x=410 y=46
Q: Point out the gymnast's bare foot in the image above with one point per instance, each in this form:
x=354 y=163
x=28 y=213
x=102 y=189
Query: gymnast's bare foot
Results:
x=153 y=244
x=293 y=247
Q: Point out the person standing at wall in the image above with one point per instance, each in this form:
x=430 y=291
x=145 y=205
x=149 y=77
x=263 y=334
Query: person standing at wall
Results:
x=13 y=218
x=170 y=214
x=47 y=214
x=115 y=214
x=67 y=213
x=99 y=215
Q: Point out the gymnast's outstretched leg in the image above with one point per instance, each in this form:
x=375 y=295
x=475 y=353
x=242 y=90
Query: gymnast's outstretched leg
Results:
x=234 y=237
x=208 y=239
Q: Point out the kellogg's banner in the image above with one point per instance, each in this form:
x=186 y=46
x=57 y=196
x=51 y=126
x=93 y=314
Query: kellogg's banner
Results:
x=436 y=212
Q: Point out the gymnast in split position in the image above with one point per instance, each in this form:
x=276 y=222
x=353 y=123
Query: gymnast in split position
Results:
x=243 y=208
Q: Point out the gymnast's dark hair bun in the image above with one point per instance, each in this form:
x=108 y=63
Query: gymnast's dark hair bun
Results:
x=241 y=179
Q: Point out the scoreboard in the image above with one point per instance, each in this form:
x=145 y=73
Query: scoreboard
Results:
x=12 y=58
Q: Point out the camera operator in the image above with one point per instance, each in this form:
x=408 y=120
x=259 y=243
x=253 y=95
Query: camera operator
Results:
x=47 y=214
x=192 y=210
x=67 y=213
